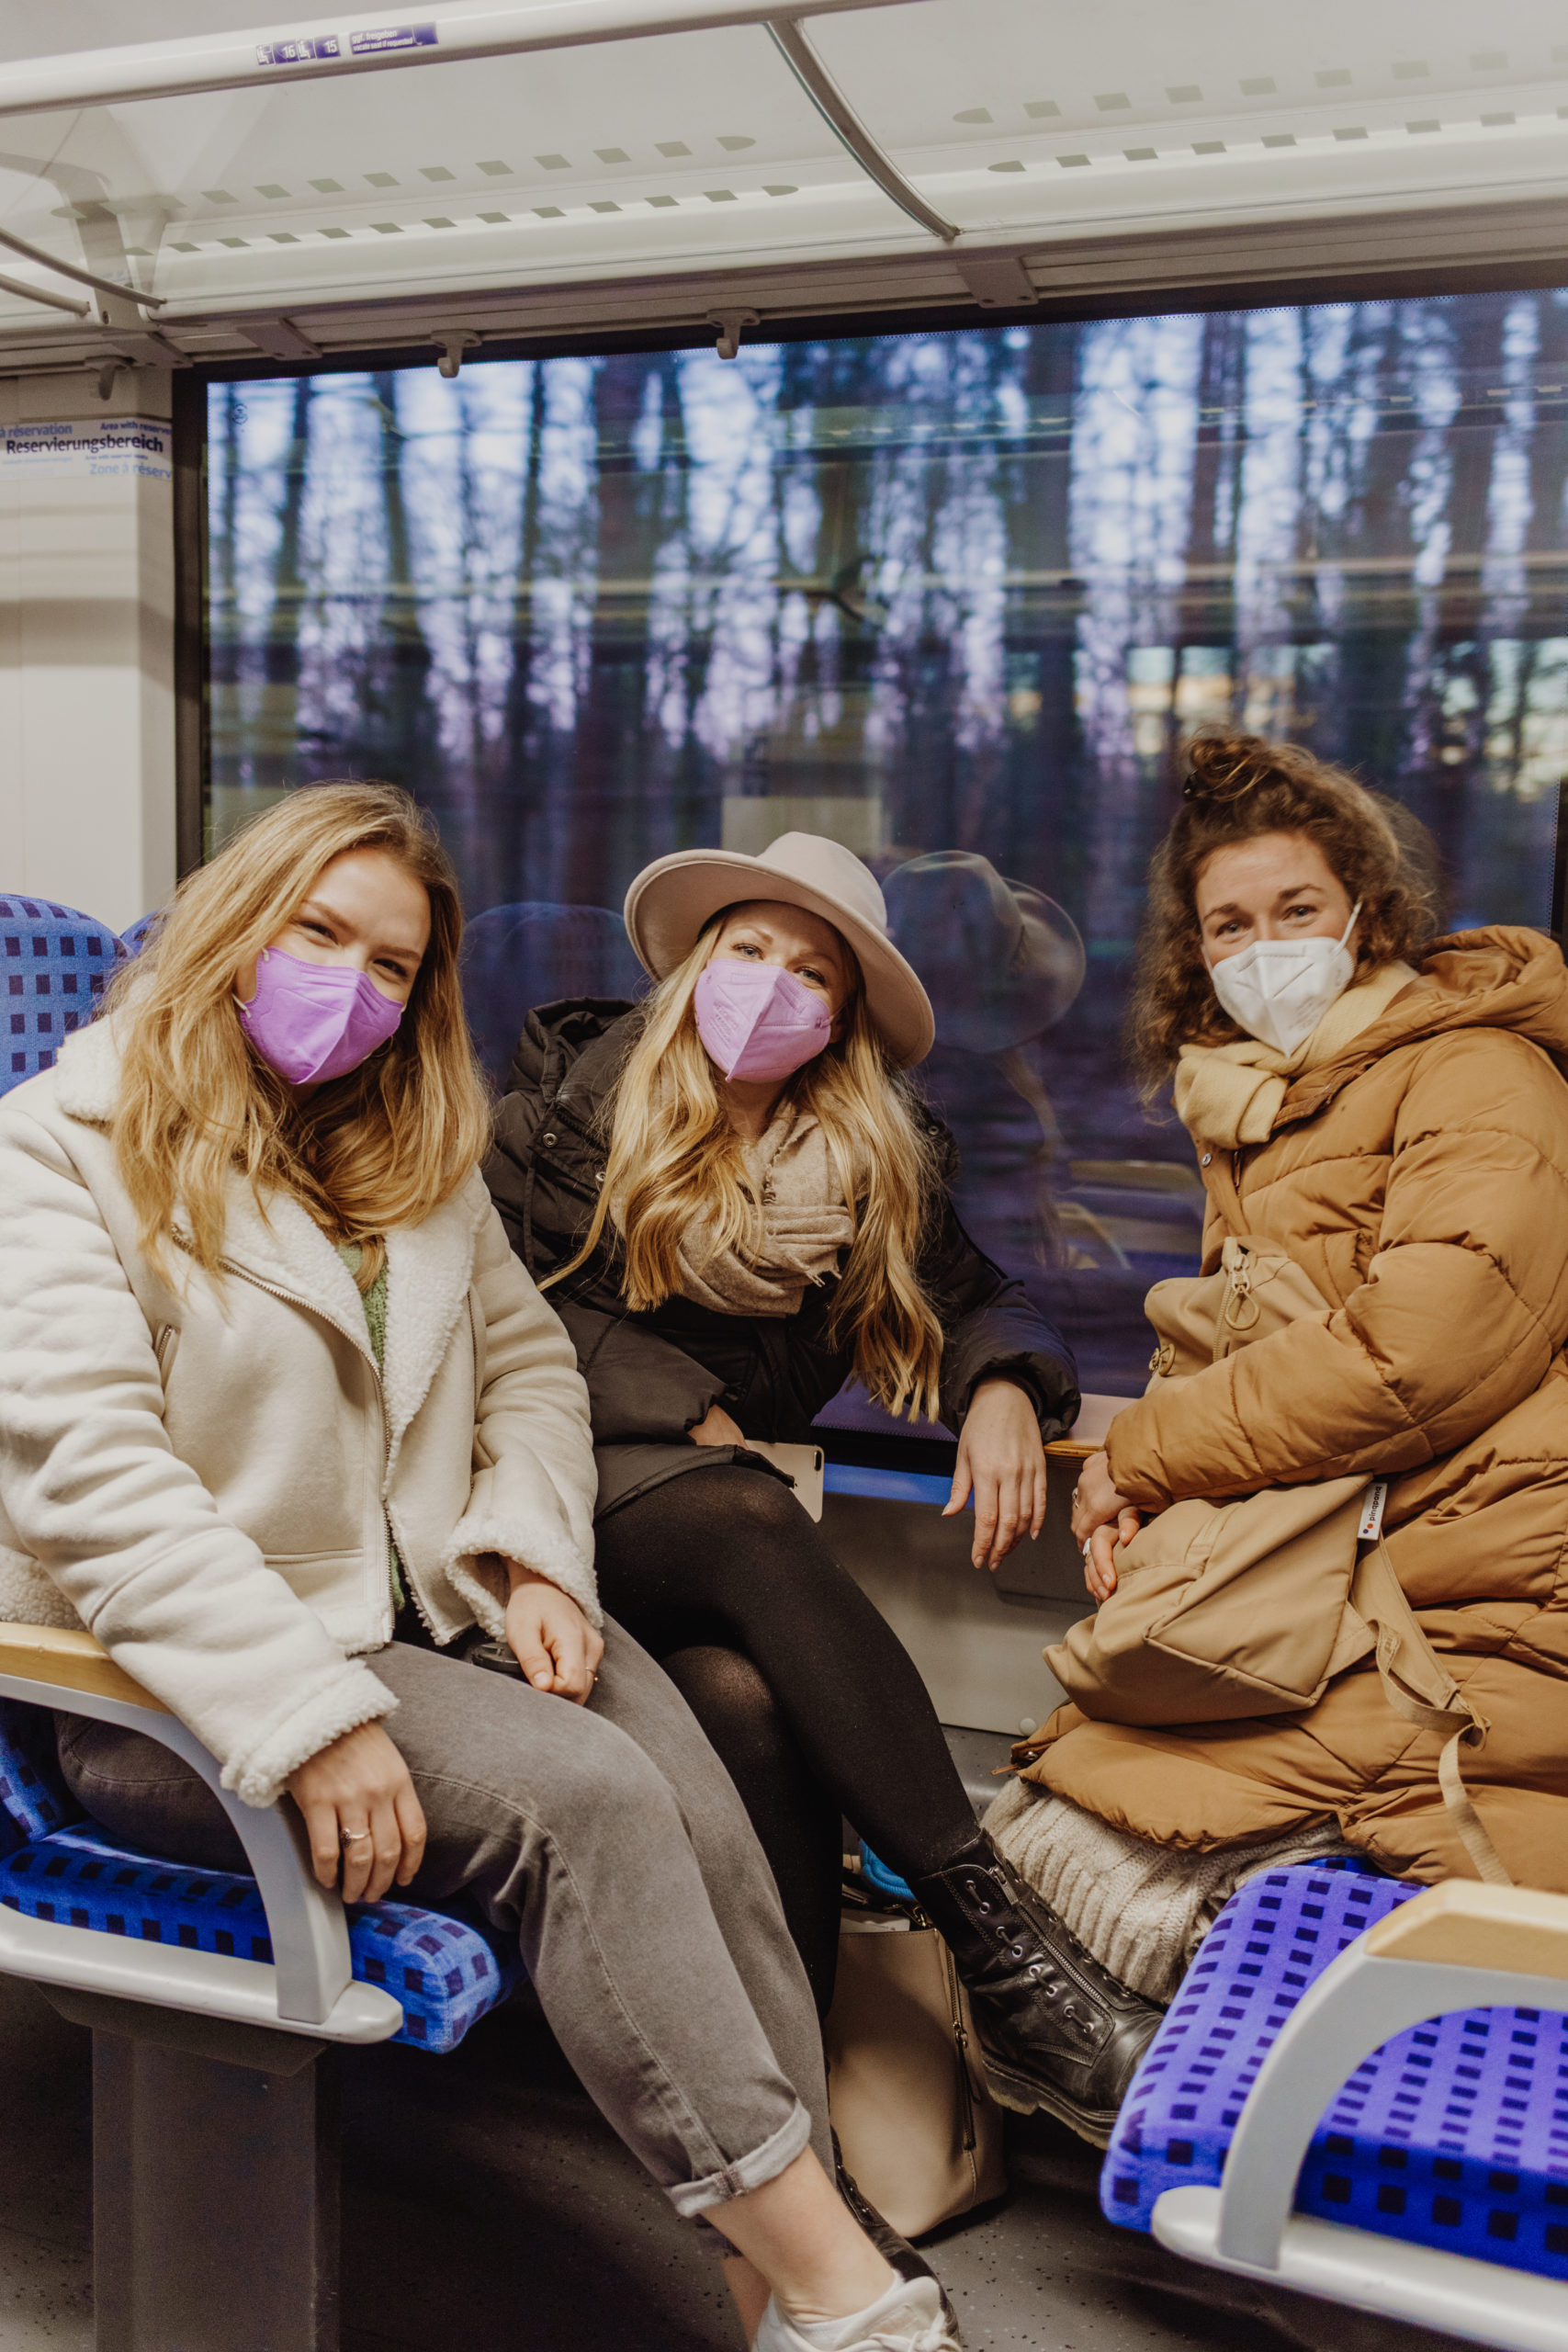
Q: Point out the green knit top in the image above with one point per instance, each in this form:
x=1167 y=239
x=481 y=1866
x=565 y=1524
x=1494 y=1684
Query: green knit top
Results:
x=374 y=1302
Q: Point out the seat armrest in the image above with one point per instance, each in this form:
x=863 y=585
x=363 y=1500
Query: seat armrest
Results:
x=311 y=1980
x=69 y=1657
x=1509 y=1931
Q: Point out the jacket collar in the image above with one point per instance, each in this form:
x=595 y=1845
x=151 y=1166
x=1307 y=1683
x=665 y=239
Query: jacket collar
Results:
x=429 y=1266
x=593 y=1073
x=1501 y=978
x=87 y=1071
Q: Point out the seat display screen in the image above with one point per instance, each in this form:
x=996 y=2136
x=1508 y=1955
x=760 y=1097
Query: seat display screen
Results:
x=952 y=598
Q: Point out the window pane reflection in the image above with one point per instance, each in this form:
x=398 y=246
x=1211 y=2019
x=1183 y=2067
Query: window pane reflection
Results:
x=951 y=598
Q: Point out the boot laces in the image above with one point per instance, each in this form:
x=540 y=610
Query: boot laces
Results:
x=1099 y=1976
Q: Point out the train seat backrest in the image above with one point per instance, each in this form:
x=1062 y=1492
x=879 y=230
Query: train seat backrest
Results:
x=538 y=953
x=137 y=934
x=56 y=964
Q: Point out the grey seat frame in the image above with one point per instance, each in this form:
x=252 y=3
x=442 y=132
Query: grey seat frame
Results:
x=214 y=2124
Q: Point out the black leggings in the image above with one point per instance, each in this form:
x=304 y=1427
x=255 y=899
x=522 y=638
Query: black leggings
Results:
x=798 y=1681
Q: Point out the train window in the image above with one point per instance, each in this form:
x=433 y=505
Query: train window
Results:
x=949 y=596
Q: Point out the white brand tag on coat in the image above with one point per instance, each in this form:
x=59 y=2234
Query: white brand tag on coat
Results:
x=1371 y=1527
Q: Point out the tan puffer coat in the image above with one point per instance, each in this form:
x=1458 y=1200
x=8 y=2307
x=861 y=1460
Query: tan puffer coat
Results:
x=1421 y=1179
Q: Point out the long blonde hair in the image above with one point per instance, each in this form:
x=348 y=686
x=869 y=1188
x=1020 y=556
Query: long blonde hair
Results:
x=384 y=1145
x=672 y=1152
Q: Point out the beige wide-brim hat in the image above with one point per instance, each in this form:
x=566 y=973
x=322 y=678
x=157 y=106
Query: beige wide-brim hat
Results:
x=671 y=899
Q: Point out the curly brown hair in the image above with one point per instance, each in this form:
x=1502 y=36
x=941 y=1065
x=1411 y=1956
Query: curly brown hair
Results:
x=1238 y=786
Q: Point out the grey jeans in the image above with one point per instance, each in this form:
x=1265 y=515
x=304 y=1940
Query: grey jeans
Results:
x=607 y=1838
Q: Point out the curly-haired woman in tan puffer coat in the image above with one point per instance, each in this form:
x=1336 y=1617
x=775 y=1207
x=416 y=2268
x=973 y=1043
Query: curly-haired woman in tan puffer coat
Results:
x=1403 y=1136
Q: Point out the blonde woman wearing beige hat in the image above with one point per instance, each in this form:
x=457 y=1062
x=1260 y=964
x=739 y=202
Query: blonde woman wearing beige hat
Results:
x=738 y=1201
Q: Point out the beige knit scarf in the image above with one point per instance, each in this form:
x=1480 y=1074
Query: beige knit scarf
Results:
x=1231 y=1094
x=801 y=1226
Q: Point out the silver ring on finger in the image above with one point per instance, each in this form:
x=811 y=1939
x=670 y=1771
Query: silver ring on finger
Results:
x=352 y=1836
x=1088 y=1548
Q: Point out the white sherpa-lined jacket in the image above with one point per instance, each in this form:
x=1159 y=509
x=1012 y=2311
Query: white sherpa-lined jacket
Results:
x=203 y=1472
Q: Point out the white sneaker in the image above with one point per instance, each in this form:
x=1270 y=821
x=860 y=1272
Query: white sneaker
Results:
x=908 y=2318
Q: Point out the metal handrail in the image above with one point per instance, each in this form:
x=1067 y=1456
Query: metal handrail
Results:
x=70 y=269
x=42 y=294
x=448 y=30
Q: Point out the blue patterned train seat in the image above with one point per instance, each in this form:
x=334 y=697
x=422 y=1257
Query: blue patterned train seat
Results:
x=447 y=1970
x=56 y=964
x=1454 y=2134
x=536 y=953
x=137 y=934
x=34 y=1799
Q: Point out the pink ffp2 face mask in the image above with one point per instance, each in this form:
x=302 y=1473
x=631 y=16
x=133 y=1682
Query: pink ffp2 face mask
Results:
x=756 y=1020
x=315 y=1021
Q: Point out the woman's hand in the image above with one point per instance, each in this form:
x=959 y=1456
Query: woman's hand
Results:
x=1002 y=1461
x=1101 y=1520
x=360 y=1811
x=551 y=1637
x=716 y=1427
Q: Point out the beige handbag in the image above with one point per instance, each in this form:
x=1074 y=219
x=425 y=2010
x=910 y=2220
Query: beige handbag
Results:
x=1224 y=1610
x=1251 y=1607
x=917 y=2125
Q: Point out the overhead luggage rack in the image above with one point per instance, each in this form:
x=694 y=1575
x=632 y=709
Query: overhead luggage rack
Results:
x=503 y=172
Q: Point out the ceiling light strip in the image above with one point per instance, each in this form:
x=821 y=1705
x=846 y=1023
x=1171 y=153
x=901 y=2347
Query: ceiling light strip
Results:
x=81 y=277
x=42 y=294
x=439 y=31
x=847 y=127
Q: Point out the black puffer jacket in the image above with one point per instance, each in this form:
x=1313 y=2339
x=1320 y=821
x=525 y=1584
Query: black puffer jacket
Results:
x=652 y=1377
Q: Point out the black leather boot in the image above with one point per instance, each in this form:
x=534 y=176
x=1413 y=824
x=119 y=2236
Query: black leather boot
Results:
x=1058 y=2030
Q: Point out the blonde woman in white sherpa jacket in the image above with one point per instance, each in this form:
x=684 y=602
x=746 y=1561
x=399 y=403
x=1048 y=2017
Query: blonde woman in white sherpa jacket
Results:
x=283 y=1420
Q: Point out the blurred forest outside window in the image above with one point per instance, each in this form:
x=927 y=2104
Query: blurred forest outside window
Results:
x=950 y=597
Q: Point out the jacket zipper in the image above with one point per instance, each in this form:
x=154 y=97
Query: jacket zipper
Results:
x=966 y=2100
x=966 y=2087
x=359 y=1340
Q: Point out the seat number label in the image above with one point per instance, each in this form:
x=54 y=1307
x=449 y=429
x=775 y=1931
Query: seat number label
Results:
x=304 y=50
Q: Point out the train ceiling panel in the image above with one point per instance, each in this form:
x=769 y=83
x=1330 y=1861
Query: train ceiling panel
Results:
x=483 y=168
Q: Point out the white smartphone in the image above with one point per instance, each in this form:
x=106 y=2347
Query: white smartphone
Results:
x=801 y=1463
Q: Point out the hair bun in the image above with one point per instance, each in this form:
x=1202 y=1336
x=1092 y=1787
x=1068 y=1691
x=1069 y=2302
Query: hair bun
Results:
x=1222 y=768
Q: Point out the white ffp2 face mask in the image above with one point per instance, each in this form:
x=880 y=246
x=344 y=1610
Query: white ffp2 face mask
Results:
x=1278 y=990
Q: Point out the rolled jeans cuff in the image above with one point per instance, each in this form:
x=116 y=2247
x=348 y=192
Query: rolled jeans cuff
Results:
x=690 y=2198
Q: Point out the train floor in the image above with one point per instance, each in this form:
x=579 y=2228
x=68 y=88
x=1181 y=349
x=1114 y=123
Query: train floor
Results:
x=486 y=2205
